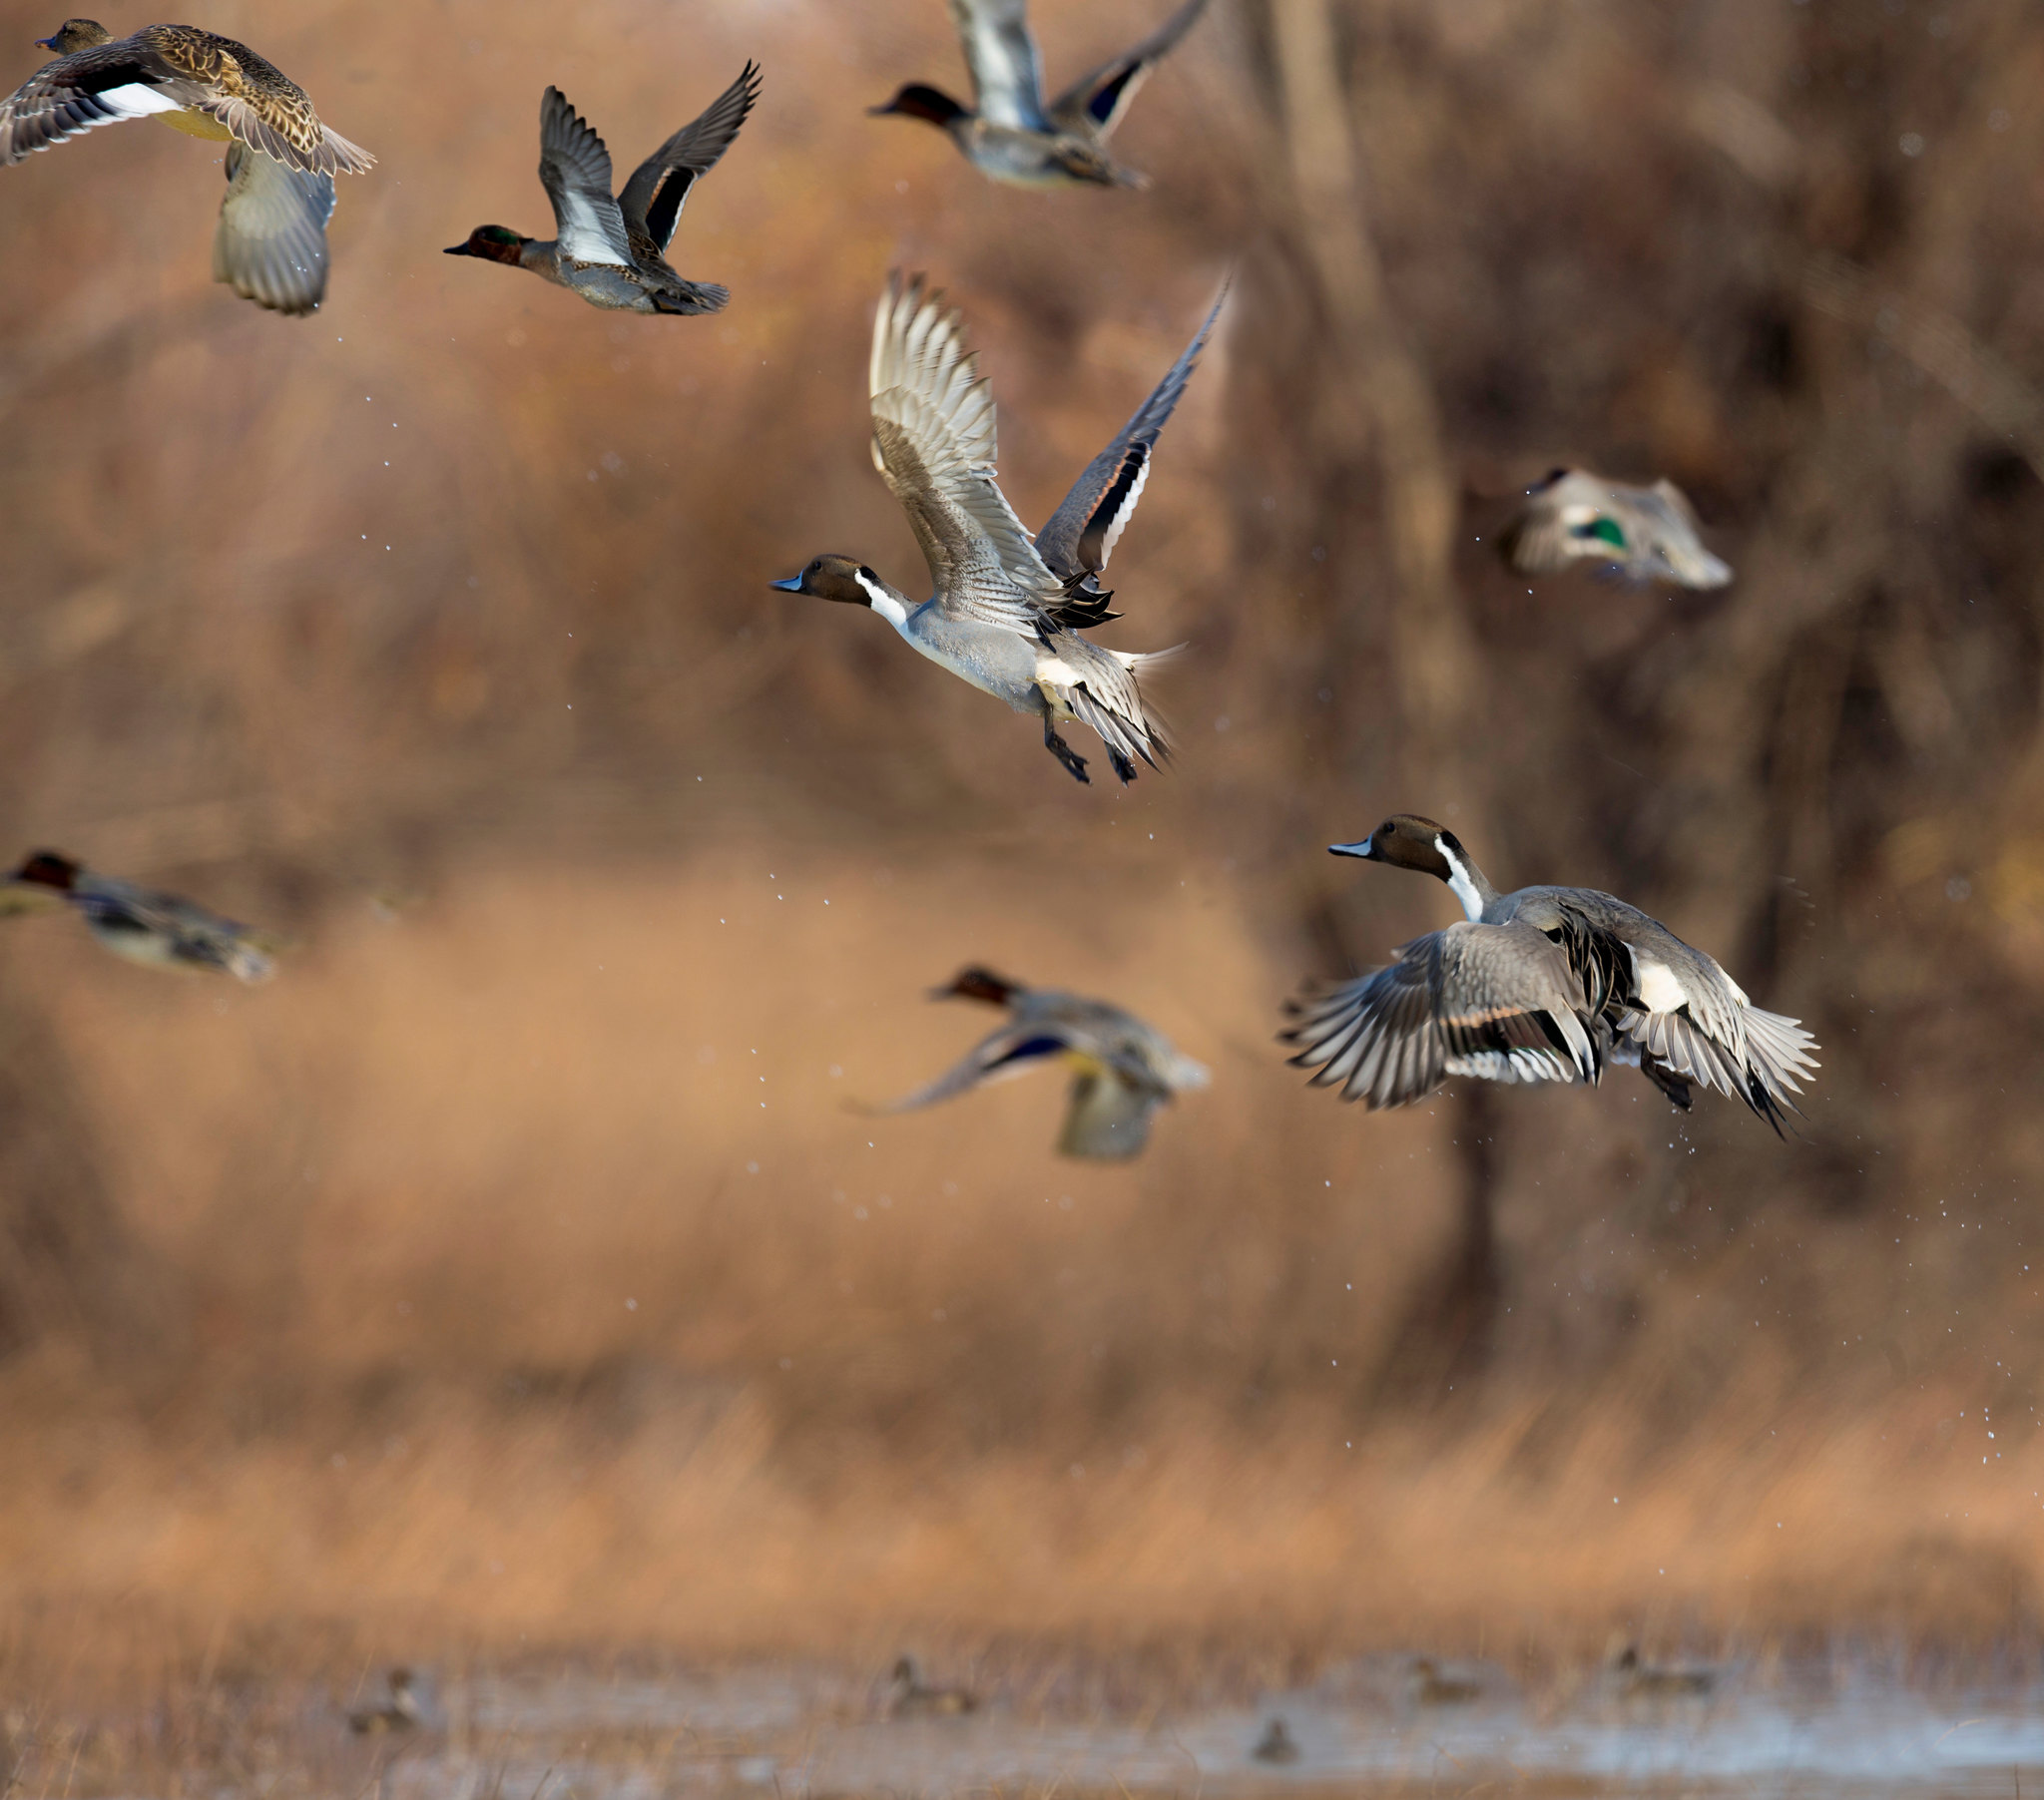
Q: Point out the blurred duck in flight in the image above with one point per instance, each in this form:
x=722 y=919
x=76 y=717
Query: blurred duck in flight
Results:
x=271 y=242
x=612 y=250
x=1543 y=985
x=1009 y=133
x=1124 y=1069
x=1649 y=1681
x=910 y=1697
x=136 y=922
x=402 y=1707
x=1647 y=534
x=1008 y=610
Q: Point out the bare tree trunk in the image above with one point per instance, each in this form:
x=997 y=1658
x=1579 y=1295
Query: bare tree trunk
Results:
x=1387 y=403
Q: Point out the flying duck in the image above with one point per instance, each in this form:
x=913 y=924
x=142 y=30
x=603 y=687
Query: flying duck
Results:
x=137 y=923
x=1647 y=534
x=613 y=250
x=1543 y=985
x=271 y=242
x=1432 y=1687
x=1007 y=612
x=1124 y=1069
x=1277 y=1745
x=910 y=1697
x=401 y=1709
x=1648 y=1681
x=1011 y=135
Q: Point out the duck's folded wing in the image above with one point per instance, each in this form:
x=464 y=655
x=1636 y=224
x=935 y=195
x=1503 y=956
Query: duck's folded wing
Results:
x=933 y=440
x=100 y=86
x=1007 y=72
x=658 y=187
x=1094 y=104
x=575 y=169
x=271 y=242
x=1495 y=1001
x=1106 y=1116
x=1013 y=1050
x=1080 y=536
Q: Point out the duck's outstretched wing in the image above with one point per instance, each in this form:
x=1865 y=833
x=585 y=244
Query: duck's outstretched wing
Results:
x=1077 y=540
x=1107 y=1117
x=933 y=440
x=575 y=169
x=271 y=242
x=1495 y=1001
x=1007 y=70
x=1094 y=104
x=102 y=85
x=1014 y=1049
x=658 y=187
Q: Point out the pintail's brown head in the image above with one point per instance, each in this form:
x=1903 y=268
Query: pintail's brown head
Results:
x=46 y=868
x=918 y=99
x=1408 y=841
x=838 y=577
x=76 y=34
x=977 y=982
x=494 y=243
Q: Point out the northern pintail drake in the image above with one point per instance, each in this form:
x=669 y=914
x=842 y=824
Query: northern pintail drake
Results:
x=140 y=924
x=1009 y=133
x=612 y=250
x=401 y=1709
x=1007 y=612
x=1646 y=1681
x=1277 y=1745
x=1542 y=985
x=1648 y=533
x=910 y=1697
x=1124 y=1069
x=269 y=244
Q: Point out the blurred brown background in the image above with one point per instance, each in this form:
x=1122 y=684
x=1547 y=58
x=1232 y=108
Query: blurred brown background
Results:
x=514 y=1263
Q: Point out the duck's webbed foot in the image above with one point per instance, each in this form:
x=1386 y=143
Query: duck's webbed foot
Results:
x=1121 y=766
x=1669 y=1084
x=1075 y=764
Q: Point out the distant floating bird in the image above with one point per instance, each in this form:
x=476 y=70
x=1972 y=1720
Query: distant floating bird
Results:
x=1003 y=617
x=401 y=1709
x=1431 y=1688
x=1125 y=1069
x=1644 y=1681
x=1649 y=533
x=136 y=922
x=1276 y=1744
x=1542 y=985
x=910 y=1697
x=613 y=250
x=1011 y=135
x=271 y=242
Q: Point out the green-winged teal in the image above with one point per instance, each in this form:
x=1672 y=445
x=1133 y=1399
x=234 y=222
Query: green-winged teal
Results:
x=140 y=924
x=1647 y=534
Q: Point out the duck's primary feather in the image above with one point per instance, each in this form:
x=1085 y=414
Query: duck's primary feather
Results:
x=653 y=198
x=1007 y=68
x=271 y=242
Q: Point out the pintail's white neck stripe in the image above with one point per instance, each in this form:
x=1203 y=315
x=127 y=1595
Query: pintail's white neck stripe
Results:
x=1460 y=883
x=884 y=603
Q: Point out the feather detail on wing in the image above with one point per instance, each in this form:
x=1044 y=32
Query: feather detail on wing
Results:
x=1094 y=104
x=575 y=169
x=1013 y=1050
x=653 y=198
x=933 y=441
x=1007 y=71
x=1495 y=1001
x=271 y=242
x=1077 y=539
